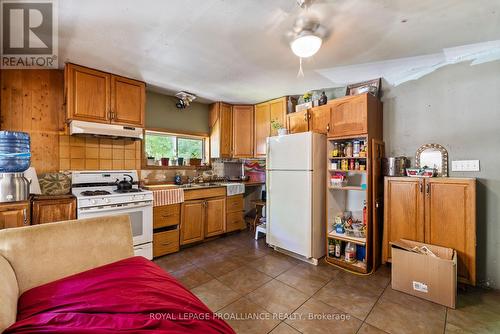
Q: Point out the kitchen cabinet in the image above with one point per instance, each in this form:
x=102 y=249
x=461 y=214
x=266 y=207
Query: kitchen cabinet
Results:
x=351 y=115
x=438 y=211
x=243 y=118
x=265 y=113
x=101 y=97
x=192 y=221
x=298 y=121
x=262 y=128
x=319 y=119
x=221 y=130
x=215 y=222
x=166 y=221
x=128 y=100
x=49 y=209
x=234 y=213
x=16 y=214
x=202 y=214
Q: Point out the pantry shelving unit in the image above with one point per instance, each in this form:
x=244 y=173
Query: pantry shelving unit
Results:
x=362 y=185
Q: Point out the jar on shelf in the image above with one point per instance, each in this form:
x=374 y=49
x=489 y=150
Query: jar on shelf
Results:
x=348 y=150
x=351 y=164
x=356 y=148
x=341 y=150
x=335 y=150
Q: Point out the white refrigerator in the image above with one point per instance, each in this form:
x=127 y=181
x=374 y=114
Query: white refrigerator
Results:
x=295 y=189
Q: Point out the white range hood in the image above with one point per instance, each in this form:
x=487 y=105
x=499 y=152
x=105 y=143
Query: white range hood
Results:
x=104 y=130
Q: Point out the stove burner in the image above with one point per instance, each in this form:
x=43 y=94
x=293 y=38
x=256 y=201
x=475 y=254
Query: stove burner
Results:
x=133 y=190
x=95 y=192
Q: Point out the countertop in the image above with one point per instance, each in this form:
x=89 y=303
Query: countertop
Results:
x=164 y=186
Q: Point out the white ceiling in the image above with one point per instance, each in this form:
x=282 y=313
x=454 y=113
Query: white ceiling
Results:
x=235 y=50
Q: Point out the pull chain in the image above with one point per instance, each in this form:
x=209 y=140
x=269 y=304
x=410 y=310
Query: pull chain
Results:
x=301 y=73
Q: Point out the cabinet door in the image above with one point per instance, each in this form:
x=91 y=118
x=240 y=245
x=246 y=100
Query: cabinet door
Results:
x=192 y=221
x=298 y=122
x=320 y=119
x=88 y=94
x=403 y=212
x=262 y=128
x=277 y=109
x=450 y=221
x=127 y=101
x=349 y=116
x=49 y=211
x=215 y=216
x=226 y=130
x=242 y=131
x=14 y=216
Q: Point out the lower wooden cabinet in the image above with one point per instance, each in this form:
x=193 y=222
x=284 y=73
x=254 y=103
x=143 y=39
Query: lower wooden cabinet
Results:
x=16 y=214
x=215 y=218
x=165 y=242
x=438 y=211
x=49 y=209
x=234 y=213
x=192 y=221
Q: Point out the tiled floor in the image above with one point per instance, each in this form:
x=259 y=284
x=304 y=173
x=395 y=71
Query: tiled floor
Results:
x=239 y=277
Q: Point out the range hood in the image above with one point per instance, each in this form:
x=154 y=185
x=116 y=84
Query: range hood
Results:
x=104 y=130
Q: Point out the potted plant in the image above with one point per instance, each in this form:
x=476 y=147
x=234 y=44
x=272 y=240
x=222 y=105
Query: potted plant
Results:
x=279 y=127
x=194 y=160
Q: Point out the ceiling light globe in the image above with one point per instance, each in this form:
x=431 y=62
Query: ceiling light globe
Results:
x=306 y=45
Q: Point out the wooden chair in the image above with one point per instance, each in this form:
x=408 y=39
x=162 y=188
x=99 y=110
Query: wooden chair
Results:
x=259 y=205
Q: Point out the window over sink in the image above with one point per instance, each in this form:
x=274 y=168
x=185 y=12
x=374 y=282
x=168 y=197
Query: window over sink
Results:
x=170 y=149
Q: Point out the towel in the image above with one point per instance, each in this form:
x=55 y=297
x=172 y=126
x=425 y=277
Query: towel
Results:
x=167 y=196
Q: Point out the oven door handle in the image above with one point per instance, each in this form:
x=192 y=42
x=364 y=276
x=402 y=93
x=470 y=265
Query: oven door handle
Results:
x=117 y=208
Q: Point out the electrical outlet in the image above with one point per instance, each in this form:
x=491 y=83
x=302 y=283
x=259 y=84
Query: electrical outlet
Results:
x=465 y=166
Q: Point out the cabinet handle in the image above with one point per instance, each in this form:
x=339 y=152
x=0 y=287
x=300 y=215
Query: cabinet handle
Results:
x=305 y=116
x=25 y=217
x=420 y=186
x=166 y=216
x=428 y=188
x=166 y=243
x=308 y=115
x=328 y=127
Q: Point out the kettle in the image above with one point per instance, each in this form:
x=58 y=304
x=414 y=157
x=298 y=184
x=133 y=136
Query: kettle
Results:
x=124 y=184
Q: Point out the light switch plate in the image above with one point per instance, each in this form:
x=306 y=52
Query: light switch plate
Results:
x=465 y=166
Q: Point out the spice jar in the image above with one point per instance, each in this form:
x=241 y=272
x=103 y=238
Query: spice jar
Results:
x=348 y=150
x=335 y=150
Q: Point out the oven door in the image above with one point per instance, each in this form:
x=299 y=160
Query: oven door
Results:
x=141 y=218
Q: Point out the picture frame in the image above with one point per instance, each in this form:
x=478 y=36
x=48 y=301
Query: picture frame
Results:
x=371 y=86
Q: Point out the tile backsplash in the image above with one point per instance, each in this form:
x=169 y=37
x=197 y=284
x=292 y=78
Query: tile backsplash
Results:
x=90 y=153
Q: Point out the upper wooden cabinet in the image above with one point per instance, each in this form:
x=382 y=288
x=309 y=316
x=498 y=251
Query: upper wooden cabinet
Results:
x=351 y=116
x=265 y=113
x=242 y=131
x=96 y=96
x=262 y=126
x=128 y=100
x=298 y=121
x=438 y=211
x=14 y=214
x=221 y=130
x=319 y=119
x=49 y=209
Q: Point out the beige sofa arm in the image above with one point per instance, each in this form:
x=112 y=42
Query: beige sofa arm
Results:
x=41 y=254
x=9 y=291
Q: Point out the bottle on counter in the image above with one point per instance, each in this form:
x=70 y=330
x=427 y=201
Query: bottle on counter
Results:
x=331 y=247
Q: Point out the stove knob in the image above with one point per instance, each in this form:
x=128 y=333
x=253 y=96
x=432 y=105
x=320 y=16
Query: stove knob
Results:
x=93 y=201
x=106 y=200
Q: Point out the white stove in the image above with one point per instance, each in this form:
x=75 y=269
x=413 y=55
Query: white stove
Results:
x=97 y=195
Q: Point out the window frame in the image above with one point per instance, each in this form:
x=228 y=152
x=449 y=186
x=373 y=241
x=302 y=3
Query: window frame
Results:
x=183 y=135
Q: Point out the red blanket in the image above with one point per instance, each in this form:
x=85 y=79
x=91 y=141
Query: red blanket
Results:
x=131 y=296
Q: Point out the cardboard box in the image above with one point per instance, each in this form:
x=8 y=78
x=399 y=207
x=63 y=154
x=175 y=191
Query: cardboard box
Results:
x=425 y=276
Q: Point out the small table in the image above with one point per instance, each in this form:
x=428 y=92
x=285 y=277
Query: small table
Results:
x=259 y=205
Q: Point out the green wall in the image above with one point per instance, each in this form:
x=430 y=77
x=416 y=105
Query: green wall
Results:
x=161 y=113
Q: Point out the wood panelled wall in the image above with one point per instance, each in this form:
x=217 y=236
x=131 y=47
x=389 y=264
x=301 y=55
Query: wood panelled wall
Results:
x=33 y=101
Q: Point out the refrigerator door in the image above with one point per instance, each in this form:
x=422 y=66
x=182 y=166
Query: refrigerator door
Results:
x=290 y=152
x=288 y=210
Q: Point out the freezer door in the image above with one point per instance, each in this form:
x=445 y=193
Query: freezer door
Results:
x=290 y=152
x=288 y=210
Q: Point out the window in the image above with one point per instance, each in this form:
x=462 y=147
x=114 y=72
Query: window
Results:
x=167 y=145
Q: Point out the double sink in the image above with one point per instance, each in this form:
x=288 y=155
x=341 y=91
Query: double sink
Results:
x=188 y=185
